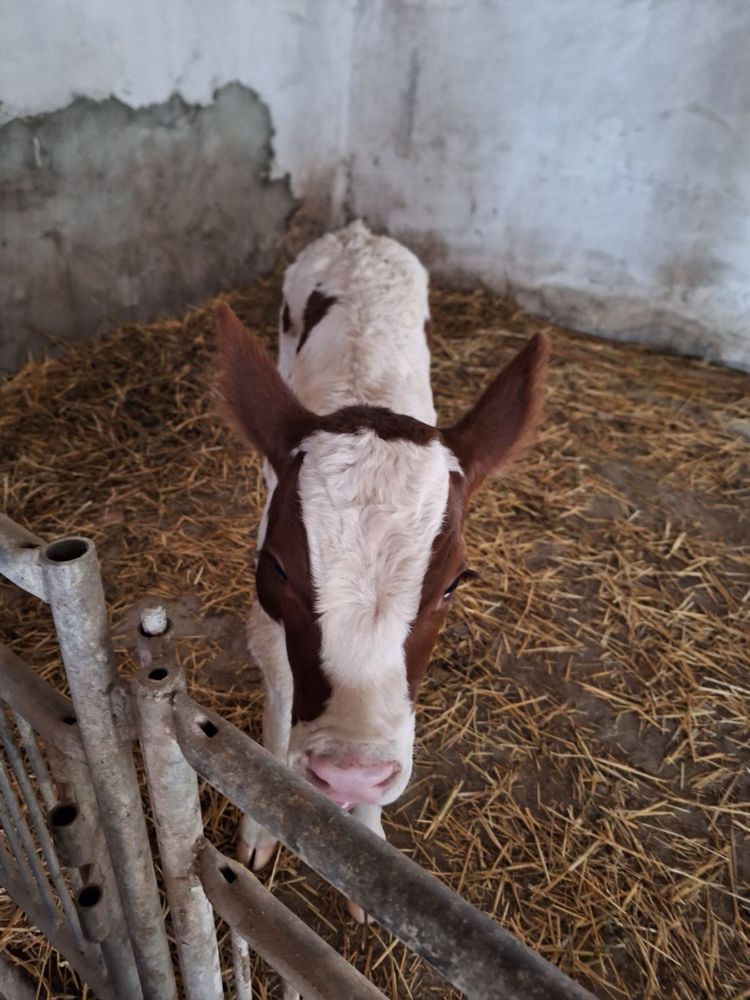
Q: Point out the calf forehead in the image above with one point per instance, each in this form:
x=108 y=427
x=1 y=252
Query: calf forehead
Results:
x=371 y=509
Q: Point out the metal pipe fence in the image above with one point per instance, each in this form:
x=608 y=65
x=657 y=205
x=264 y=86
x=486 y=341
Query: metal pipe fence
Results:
x=75 y=854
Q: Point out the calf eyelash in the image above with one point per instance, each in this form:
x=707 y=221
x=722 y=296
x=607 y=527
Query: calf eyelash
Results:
x=467 y=574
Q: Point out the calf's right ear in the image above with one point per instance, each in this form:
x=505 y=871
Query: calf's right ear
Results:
x=254 y=399
x=492 y=433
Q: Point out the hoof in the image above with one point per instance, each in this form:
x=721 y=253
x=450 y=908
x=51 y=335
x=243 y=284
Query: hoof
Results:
x=356 y=912
x=255 y=847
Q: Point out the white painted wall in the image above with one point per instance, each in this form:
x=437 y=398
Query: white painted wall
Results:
x=592 y=158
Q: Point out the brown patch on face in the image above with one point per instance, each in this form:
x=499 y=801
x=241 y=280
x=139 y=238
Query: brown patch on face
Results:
x=446 y=563
x=385 y=423
x=316 y=308
x=428 y=331
x=285 y=591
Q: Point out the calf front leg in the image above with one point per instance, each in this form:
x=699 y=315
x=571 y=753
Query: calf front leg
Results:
x=369 y=816
x=255 y=846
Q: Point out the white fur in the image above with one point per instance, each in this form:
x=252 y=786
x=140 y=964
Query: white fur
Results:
x=371 y=346
x=371 y=507
x=371 y=510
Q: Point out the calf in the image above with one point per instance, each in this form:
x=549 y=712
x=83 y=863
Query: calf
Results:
x=360 y=547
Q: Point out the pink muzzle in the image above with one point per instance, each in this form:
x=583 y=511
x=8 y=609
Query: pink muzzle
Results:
x=350 y=781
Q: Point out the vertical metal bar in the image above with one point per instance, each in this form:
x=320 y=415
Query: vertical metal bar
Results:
x=40 y=828
x=20 y=839
x=36 y=761
x=74 y=590
x=20 y=865
x=85 y=963
x=241 y=973
x=173 y=787
x=97 y=900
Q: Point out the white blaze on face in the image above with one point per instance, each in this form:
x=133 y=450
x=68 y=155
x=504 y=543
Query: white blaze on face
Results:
x=372 y=509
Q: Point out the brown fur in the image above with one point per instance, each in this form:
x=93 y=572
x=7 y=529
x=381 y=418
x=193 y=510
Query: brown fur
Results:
x=316 y=308
x=493 y=432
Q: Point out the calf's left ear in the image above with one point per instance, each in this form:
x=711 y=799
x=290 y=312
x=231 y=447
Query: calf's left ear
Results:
x=490 y=435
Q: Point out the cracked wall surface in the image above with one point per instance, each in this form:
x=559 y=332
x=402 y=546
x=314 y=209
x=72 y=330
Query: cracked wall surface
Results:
x=112 y=213
x=595 y=166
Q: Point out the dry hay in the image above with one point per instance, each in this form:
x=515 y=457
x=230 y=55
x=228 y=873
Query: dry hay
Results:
x=582 y=760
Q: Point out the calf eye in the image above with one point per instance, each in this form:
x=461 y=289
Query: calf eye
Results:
x=277 y=567
x=467 y=574
x=278 y=570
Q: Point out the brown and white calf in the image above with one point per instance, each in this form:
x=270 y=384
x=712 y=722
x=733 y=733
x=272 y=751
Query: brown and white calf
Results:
x=360 y=545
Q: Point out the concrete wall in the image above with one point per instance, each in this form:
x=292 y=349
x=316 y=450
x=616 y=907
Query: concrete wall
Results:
x=592 y=159
x=137 y=140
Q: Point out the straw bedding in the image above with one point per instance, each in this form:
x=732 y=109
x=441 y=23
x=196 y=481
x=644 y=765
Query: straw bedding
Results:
x=583 y=734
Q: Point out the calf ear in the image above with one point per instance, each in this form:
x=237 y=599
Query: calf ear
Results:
x=489 y=436
x=253 y=398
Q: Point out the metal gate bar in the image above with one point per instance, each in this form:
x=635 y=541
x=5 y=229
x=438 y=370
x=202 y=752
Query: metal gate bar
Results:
x=467 y=948
x=173 y=788
x=21 y=843
x=72 y=584
x=303 y=958
x=94 y=778
x=40 y=828
x=25 y=691
x=59 y=936
x=66 y=575
x=36 y=761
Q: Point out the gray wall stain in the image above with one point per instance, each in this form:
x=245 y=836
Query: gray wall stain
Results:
x=115 y=214
x=404 y=130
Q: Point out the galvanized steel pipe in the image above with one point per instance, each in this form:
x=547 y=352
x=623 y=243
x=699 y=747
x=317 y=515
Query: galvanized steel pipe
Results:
x=21 y=842
x=36 y=761
x=73 y=587
x=50 y=713
x=40 y=828
x=471 y=951
x=241 y=972
x=304 y=960
x=86 y=962
x=173 y=788
x=19 y=557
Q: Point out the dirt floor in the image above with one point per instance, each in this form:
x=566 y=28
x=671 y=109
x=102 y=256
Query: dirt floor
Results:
x=584 y=731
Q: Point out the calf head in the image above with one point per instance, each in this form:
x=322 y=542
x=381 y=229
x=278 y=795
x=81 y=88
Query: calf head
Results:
x=362 y=550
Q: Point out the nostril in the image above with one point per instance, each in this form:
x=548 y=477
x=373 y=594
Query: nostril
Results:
x=315 y=779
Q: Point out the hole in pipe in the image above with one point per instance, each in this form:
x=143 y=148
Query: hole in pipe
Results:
x=63 y=814
x=66 y=550
x=89 y=895
x=208 y=727
x=158 y=674
x=229 y=875
x=70 y=720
